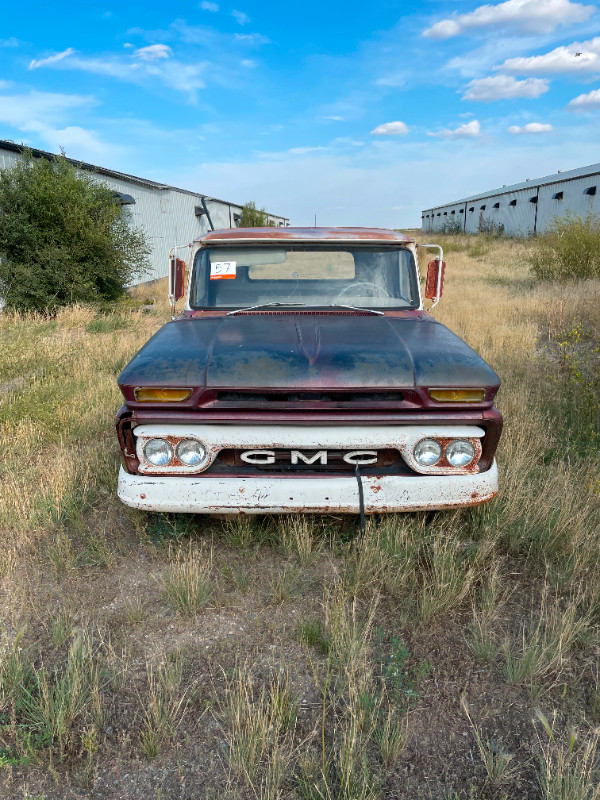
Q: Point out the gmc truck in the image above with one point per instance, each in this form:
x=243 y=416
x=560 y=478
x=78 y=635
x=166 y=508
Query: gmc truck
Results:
x=305 y=375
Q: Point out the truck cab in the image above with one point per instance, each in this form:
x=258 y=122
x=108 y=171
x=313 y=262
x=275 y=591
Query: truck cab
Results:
x=305 y=375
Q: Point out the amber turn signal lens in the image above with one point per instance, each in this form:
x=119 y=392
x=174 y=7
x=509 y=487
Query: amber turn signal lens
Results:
x=457 y=395
x=143 y=395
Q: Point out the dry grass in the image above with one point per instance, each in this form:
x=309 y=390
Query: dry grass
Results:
x=284 y=658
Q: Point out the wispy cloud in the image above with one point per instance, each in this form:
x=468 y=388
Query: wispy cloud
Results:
x=390 y=129
x=240 y=17
x=47 y=115
x=394 y=80
x=36 y=63
x=504 y=87
x=517 y=16
x=585 y=102
x=252 y=39
x=302 y=151
x=206 y=5
x=143 y=66
x=468 y=130
x=575 y=58
x=154 y=52
x=12 y=41
x=23 y=109
x=531 y=127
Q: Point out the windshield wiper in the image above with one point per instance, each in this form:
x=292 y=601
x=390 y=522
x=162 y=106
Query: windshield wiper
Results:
x=356 y=308
x=261 y=305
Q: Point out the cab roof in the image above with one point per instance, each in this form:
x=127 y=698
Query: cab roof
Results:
x=312 y=235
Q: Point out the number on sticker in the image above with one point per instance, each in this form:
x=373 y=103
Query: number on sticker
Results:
x=222 y=269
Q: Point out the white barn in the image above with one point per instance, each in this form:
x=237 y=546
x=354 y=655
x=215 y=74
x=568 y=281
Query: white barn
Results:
x=522 y=209
x=167 y=214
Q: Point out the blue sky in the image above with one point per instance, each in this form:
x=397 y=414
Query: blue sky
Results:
x=362 y=114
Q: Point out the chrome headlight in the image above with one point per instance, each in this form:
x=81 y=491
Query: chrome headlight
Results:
x=190 y=452
x=427 y=452
x=460 y=452
x=158 y=452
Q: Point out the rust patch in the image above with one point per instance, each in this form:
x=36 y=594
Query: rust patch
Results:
x=375 y=488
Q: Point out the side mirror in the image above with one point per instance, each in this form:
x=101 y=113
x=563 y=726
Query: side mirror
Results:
x=176 y=279
x=435 y=279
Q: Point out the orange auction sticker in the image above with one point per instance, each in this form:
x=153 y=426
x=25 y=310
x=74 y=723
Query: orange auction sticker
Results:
x=221 y=270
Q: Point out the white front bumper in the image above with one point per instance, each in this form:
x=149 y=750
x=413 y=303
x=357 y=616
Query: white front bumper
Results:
x=269 y=495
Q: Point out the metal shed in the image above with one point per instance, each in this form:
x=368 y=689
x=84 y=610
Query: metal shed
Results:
x=167 y=214
x=522 y=209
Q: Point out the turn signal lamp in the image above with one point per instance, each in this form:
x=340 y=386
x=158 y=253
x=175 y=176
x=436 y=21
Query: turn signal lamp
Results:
x=147 y=395
x=457 y=395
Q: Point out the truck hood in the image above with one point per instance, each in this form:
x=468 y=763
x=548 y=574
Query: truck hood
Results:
x=307 y=351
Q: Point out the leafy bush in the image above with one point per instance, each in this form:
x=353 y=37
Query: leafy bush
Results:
x=253 y=217
x=489 y=226
x=63 y=237
x=570 y=249
x=452 y=227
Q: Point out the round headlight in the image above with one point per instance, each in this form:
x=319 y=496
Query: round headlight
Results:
x=427 y=452
x=460 y=452
x=158 y=452
x=190 y=452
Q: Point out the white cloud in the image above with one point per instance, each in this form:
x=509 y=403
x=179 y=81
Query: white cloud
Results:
x=248 y=63
x=77 y=142
x=393 y=81
x=24 y=110
x=518 y=16
x=154 y=52
x=10 y=42
x=335 y=118
x=575 y=58
x=466 y=131
x=504 y=87
x=46 y=115
x=36 y=63
x=253 y=39
x=206 y=5
x=531 y=127
x=240 y=17
x=390 y=129
x=585 y=102
x=302 y=151
x=149 y=64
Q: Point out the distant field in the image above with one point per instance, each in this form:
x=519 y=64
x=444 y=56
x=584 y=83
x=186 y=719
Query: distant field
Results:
x=447 y=655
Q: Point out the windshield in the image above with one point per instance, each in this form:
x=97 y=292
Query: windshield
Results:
x=368 y=277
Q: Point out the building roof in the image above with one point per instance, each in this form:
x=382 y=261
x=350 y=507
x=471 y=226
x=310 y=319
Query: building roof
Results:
x=376 y=235
x=558 y=177
x=6 y=144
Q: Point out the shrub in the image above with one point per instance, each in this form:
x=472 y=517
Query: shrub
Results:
x=452 y=227
x=63 y=237
x=253 y=217
x=570 y=249
x=489 y=226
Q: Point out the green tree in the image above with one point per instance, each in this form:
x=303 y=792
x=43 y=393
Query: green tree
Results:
x=253 y=217
x=63 y=237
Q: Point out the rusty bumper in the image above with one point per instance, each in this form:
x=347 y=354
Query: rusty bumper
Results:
x=291 y=494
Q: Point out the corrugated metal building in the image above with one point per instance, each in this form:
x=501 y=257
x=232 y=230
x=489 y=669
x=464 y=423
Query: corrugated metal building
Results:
x=521 y=209
x=167 y=214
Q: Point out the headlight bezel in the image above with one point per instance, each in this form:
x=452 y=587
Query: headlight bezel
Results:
x=454 y=445
x=168 y=448
x=443 y=466
x=425 y=444
x=175 y=466
x=202 y=452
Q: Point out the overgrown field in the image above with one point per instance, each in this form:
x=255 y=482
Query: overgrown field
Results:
x=444 y=656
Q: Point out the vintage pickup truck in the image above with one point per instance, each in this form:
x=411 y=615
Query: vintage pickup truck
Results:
x=304 y=375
